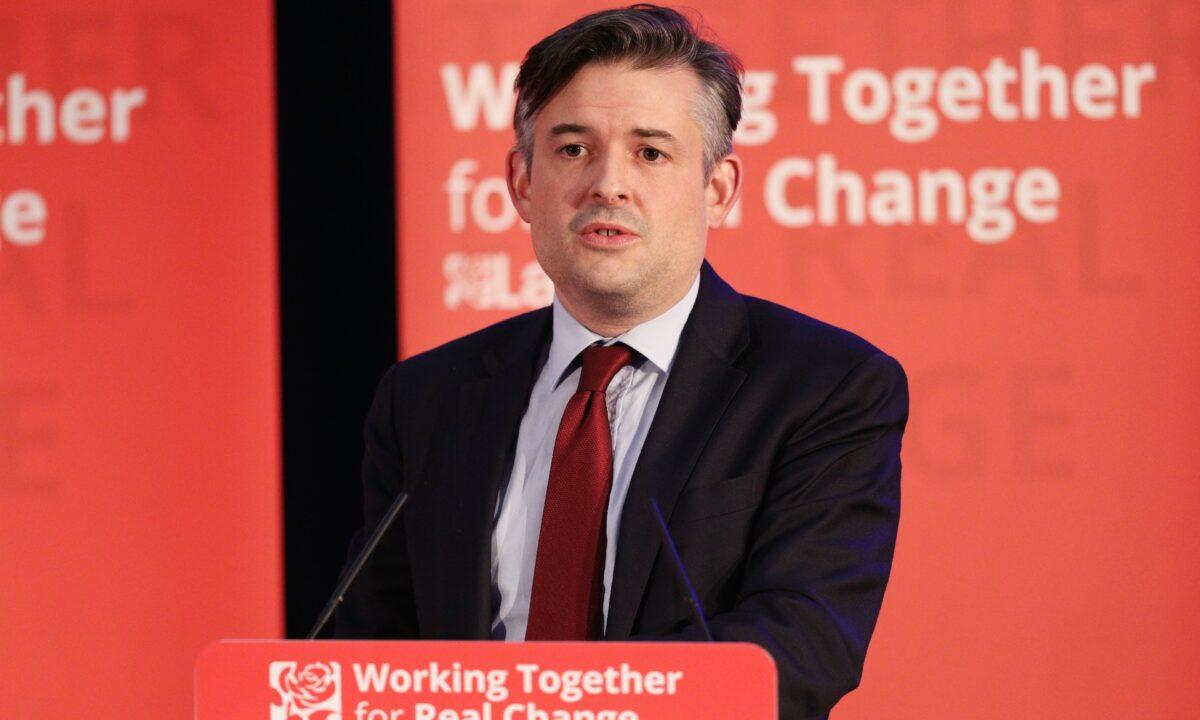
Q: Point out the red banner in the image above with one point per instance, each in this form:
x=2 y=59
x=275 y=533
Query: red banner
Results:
x=1000 y=194
x=238 y=680
x=139 y=468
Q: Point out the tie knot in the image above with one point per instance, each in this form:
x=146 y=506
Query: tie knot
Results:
x=600 y=365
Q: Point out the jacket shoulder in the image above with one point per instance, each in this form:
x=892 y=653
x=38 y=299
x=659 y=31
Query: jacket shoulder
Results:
x=416 y=385
x=814 y=371
x=466 y=351
x=782 y=332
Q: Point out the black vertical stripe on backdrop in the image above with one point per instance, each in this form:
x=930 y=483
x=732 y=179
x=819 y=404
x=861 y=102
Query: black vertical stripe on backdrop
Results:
x=337 y=273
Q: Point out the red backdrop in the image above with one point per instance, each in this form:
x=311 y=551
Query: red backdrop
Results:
x=1048 y=563
x=139 y=469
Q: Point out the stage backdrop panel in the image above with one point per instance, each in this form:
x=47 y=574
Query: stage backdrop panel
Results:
x=139 y=431
x=1003 y=195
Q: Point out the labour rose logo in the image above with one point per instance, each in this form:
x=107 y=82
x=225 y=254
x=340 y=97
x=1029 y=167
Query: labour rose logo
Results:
x=313 y=692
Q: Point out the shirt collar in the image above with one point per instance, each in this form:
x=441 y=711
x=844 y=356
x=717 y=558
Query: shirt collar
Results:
x=656 y=339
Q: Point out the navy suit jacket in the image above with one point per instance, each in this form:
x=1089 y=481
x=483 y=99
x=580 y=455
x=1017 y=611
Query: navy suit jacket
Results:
x=774 y=454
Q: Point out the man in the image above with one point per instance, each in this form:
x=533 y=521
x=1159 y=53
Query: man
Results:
x=531 y=449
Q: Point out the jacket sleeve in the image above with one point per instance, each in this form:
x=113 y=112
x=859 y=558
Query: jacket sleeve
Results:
x=380 y=603
x=821 y=548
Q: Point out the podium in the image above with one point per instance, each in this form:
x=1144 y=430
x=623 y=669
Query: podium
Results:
x=477 y=680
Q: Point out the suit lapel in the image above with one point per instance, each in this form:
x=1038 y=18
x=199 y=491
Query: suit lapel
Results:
x=702 y=382
x=490 y=408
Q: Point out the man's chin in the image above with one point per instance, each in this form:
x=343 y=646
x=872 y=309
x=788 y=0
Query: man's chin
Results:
x=611 y=287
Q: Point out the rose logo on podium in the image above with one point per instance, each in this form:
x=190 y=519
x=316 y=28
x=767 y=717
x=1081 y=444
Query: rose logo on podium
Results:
x=314 y=693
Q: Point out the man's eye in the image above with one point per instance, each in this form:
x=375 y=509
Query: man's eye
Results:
x=651 y=154
x=572 y=150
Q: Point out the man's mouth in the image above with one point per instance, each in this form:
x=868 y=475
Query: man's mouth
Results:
x=607 y=235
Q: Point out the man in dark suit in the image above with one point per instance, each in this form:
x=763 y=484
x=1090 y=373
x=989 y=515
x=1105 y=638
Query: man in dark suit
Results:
x=531 y=449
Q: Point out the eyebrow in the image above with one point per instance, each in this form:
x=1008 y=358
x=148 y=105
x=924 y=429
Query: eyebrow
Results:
x=654 y=133
x=577 y=129
x=568 y=129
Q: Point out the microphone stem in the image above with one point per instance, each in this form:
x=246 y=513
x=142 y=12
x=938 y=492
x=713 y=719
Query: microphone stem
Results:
x=359 y=561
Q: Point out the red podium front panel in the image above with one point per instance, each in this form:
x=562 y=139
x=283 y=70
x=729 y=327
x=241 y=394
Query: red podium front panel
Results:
x=345 y=680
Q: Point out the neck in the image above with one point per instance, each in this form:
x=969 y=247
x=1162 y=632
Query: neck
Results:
x=610 y=319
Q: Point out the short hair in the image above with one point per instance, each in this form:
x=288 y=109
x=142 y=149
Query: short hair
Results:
x=645 y=36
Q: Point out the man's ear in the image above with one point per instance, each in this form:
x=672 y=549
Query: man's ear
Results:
x=517 y=176
x=723 y=189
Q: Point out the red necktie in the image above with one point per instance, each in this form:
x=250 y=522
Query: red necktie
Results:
x=567 y=602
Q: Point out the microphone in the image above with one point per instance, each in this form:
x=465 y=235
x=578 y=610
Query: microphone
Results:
x=357 y=565
x=680 y=571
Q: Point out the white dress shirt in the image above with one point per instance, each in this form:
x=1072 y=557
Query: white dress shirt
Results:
x=632 y=397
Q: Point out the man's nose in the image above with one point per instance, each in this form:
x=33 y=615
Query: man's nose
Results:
x=610 y=184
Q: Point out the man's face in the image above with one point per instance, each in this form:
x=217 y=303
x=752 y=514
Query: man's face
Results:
x=616 y=197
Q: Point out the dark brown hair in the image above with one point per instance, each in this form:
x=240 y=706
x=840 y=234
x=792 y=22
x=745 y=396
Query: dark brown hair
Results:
x=644 y=36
